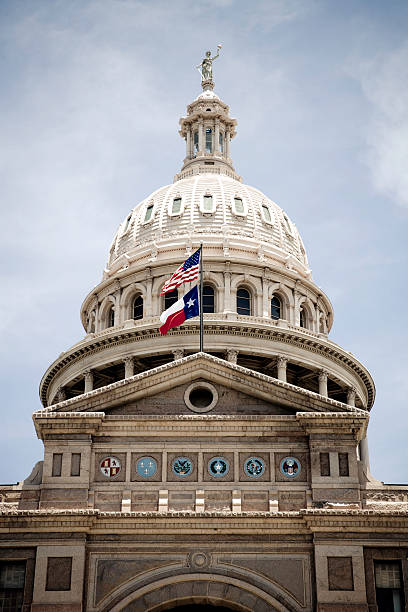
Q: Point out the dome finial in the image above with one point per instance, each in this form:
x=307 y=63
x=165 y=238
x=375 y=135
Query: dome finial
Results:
x=205 y=69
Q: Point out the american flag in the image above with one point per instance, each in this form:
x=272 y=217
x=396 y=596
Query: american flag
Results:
x=188 y=271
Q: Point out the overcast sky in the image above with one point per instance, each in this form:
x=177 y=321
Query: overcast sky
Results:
x=91 y=96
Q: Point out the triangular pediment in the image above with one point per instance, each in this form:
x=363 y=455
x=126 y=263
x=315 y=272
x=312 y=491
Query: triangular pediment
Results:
x=162 y=391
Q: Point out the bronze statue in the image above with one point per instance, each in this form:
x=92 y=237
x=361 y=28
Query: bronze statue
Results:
x=205 y=68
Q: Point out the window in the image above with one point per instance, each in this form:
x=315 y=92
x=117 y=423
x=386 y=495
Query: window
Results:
x=12 y=579
x=56 y=464
x=288 y=227
x=239 y=206
x=302 y=318
x=148 y=213
x=343 y=464
x=208 y=299
x=276 y=308
x=208 y=204
x=388 y=586
x=221 y=142
x=138 y=308
x=75 y=464
x=127 y=223
x=243 y=302
x=208 y=141
x=324 y=464
x=195 y=142
x=111 y=317
x=266 y=213
x=176 y=208
x=170 y=298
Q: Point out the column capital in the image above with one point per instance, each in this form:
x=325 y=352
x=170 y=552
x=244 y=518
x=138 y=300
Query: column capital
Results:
x=282 y=362
x=178 y=354
x=232 y=355
x=61 y=394
x=323 y=374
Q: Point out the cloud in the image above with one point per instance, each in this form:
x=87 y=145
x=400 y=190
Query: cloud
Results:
x=384 y=82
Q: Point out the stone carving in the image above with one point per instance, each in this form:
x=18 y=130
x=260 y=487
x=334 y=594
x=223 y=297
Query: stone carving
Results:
x=232 y=355
x=199 y=560
x=178 y=354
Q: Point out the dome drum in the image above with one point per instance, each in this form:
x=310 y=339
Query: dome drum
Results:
x=307 y=356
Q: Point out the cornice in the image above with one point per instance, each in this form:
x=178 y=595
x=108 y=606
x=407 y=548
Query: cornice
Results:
x=233 y=328
x=156 y=379
x=190 y=523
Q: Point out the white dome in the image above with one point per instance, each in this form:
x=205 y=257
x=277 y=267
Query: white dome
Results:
x=257 y=224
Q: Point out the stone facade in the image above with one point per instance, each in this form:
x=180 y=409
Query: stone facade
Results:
x=236 y=477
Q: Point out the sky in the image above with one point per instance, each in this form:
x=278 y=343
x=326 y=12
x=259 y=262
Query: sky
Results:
x=92 y=91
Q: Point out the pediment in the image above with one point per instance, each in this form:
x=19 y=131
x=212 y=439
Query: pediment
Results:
x=162 y=391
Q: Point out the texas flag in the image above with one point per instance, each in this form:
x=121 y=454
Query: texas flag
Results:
x=185 y=308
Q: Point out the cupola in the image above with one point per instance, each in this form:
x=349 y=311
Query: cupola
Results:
x=208 y=130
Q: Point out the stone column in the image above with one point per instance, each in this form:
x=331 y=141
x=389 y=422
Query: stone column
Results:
x=265 y=299
x=201 y=142
x=178 y=354
x=323 y=383
x=148 y=306
x=89 y=380
x=232 y=355
x=227 y=292
x=227 y=143
x=217 y=136
x=282 y=363
x=129 y=367
x=188 y=143
x=364 y=455
x=351 y=396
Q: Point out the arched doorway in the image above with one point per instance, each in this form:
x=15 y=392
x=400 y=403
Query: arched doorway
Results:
x=196 y=592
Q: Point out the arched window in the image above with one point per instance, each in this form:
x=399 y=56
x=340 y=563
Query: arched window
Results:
x=243 y=301
x=138 y=308
x=208 y=141
x=276 y=308
x=175 y=209
x=266 y=213
x=111 y=317
x=148 y=213
x=208 y=299
x=170 y=298
x=239 y=208
x=208 y=204
x=302 y=318
x=195 y=140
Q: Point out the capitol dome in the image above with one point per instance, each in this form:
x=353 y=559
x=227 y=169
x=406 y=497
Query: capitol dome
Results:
x=262 y=311
x=216 y=209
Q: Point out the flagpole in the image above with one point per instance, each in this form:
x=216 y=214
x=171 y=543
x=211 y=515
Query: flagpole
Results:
x=201 y=301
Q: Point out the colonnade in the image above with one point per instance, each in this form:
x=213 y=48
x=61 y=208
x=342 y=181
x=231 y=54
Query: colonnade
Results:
x=225 y=285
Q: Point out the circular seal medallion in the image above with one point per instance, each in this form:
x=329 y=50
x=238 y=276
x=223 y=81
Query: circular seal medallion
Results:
x=146 y=467
x=290 y=467
x=182 y=466
x=110 y=467
x=199 y=560
x=218 y=466
x=254 y=467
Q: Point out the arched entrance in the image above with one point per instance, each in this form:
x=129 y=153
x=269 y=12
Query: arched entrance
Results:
x=197 y=592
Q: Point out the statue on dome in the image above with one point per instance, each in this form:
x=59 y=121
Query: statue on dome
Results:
x=205 y=68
